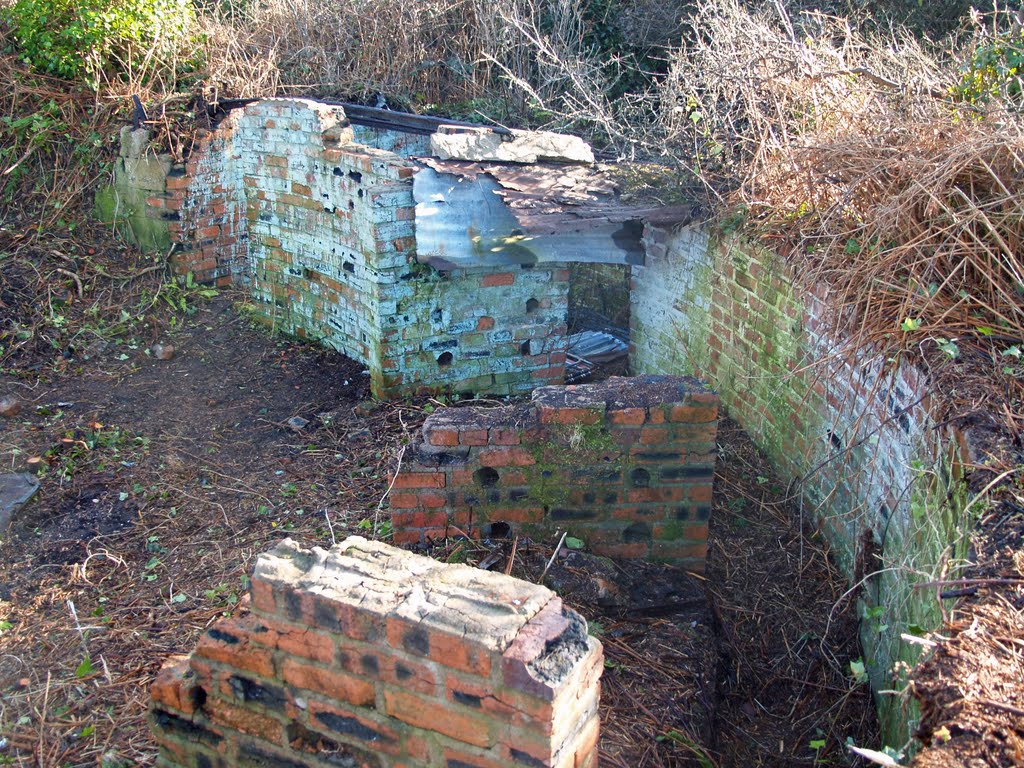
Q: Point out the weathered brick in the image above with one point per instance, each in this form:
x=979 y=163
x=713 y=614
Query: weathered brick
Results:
x=429 y=715
x=333 y=684
x=175 y=687
x=230 y=643
x=497 y=279
x=245 y=720
x=407 y=480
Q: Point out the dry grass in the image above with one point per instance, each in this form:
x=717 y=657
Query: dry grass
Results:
x=428 y=52
x=850 y=151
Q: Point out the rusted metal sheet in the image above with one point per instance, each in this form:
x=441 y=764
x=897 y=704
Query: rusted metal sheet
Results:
x=474 y=214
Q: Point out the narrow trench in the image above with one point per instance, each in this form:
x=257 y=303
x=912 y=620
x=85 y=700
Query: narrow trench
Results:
x=747 y=665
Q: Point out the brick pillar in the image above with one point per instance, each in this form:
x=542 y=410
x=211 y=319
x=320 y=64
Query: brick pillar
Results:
x=367 y=655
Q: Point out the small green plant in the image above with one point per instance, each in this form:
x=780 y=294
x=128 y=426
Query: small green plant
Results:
x=817 y=745
x=84 y=669
x=703 y=759
x=181 y=296
x=381 y=530
x=995 y=68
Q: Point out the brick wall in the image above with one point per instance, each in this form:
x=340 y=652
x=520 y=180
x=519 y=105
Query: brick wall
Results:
x=283 y=200
x=369 y=656
x=626 y=465
x=852 y=429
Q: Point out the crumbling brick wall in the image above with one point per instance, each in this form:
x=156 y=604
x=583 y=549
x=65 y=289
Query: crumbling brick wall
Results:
x=370 y=656
x=280 y=198
x=626 y=465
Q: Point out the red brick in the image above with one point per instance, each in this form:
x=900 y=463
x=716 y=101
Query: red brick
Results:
x=443 y=437
x=473 y=437
x=431 y=500
x=350 y=725
x=456 y=653
x=629 y=551
x=699 y=493
x=704 y=398
x=632 y=416
x=297 y=640
x=554 y=372
x=416 y=747
x=485 y=323
x=693 y=414
x=500 y=436
x=678 y=551
x=656 y=415
x=419 y=480
x=477 y=695
x=173 y=687
x=418 y=519
x=425 y=713
x=506 y=457
x=500 y=278
x=545 y=627
x=178 y=182
x=570 y=415
x=334 y=685
x=516 y=515
x=653 y=436
x=585 y=754
x=245 y=720
x=403 y=501
x=239 y=651
x=404 y=537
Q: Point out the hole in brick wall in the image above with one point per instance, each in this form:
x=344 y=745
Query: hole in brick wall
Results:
x=445 y=359
x=437 y=316
x=524 y=348
x=532 y=305
x=348 y=266
x=351 y=205
x=356 y=176
x=640 y=478
x=637 y=532
x=498 y=530
x=486 y=477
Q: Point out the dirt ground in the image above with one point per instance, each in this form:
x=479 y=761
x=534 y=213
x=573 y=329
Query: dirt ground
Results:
x=164 y=479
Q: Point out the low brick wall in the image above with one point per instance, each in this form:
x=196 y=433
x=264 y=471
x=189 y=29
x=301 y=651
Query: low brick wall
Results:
x=369 y=656
x=626 y=465
x=852 y=430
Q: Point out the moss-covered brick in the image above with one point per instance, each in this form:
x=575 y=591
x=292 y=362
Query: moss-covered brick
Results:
x=847 y=426
x=564 y=462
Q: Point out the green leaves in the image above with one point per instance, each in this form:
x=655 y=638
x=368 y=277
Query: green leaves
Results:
x=858 y=671
x=83 y=38
x=84 y=669
x=910 y=324
x=949 y=347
